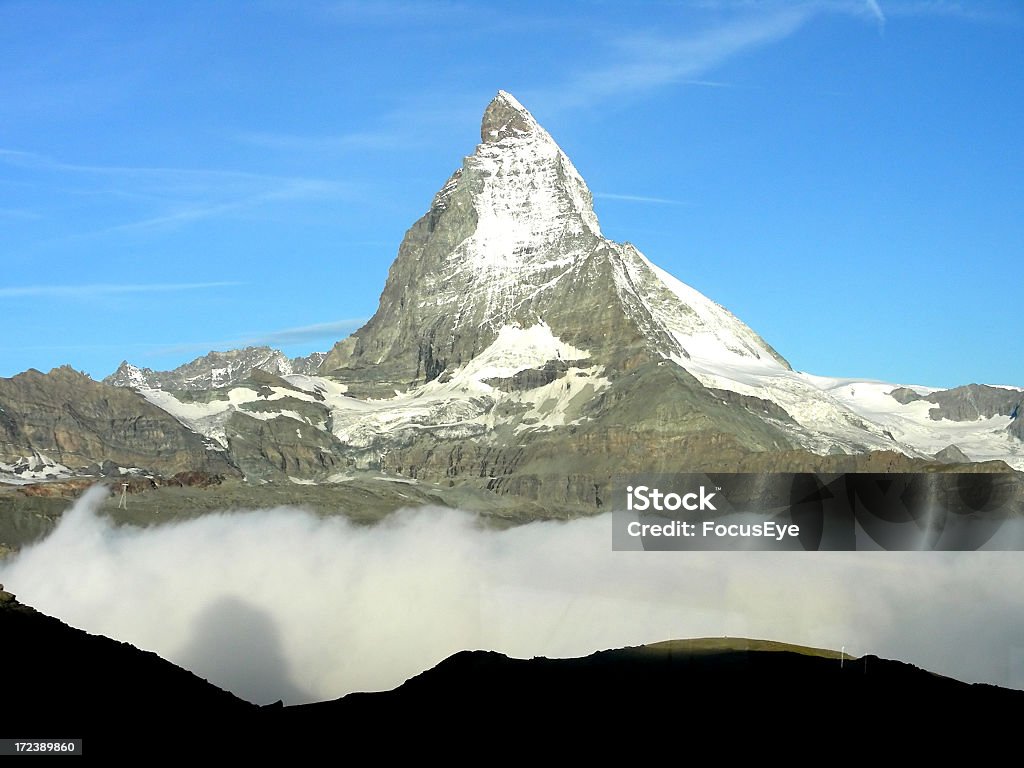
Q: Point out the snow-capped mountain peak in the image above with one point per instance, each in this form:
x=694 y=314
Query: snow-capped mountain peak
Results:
x=511 y=239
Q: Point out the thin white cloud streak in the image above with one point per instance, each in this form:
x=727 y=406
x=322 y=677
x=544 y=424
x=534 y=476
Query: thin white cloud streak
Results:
x=18 y=213
x=647 y=62
x=291 y=190
x=639 y=199
x=875 y=10
x=103 y=289
x=288 y=336
x=33 y=160
x=183 y=195
x=309 y=332
x=709 y=83
x=871 y=9
x=383 y=140
x=330 y=332
x=341 y=607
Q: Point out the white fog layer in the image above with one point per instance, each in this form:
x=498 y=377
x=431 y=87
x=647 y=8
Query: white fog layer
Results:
x=282 y=604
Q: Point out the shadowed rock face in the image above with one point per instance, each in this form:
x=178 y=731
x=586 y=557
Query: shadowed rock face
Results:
x=77 y=422
x=281 y=447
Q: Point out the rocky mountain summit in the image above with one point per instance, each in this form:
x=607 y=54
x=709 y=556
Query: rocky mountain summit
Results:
x=511 y=241
x=515 y=351
x=215 y=369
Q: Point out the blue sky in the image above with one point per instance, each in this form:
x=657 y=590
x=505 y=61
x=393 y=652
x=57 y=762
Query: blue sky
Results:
x=846 y=177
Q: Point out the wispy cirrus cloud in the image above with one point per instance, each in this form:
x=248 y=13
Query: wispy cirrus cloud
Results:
x=383 y=139
x=970 y=10
x=308 y=332
x=175 y=196
x=295 y=189
x=104 y=289
x=639 y=199
x=331 y=331
x=876 y=10
x=641 y=62
x=165 y=176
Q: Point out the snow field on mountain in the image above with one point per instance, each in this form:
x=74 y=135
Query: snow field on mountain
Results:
x=464 y=404
x=209 y=419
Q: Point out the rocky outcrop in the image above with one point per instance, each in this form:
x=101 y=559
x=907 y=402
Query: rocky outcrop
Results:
x=952 y=454
x=967 y=403
x=282 y=447
x=310 y=364
x=79 y=422
x=904 y=395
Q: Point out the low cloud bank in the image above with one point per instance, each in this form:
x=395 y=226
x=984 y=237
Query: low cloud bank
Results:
x=282 y=604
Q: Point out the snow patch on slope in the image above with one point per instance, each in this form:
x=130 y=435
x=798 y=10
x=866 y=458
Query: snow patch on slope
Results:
x=210 y=419
x=464 y=405
x=686 y=322
x=516 y=349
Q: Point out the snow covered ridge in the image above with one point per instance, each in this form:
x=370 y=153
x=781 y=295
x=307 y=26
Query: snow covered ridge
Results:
x=855 y=416
x=692 y=324
x=215 y=369
x=32 y=469
x=845 y=415
x=463 y=405
x=210 y=418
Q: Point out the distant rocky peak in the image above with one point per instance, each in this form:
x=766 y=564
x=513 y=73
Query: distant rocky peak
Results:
x=505 y=117
x=128 y=375
x=214 y=369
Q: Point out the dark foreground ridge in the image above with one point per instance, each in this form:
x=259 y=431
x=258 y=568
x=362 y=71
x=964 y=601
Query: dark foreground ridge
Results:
x=59 y=682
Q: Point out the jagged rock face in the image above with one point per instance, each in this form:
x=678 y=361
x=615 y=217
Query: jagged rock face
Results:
x=967 y=403
x=78 y=422
x=310 y=364
x=971 y=402
x=512 y=239
x=281 y=447
x=216 y=369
